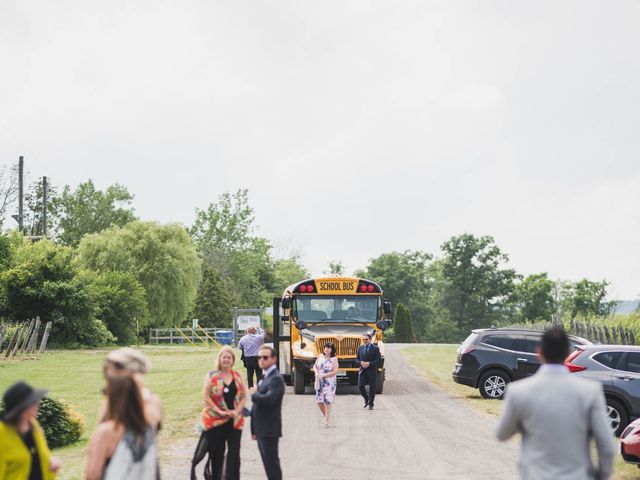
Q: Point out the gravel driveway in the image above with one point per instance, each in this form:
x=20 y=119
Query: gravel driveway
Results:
x=415 y=432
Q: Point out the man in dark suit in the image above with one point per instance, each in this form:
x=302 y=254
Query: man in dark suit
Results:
x=266 y=412
x=368 y=358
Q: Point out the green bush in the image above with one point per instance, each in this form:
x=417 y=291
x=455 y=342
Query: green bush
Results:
x=403 y=327
x=61 y=424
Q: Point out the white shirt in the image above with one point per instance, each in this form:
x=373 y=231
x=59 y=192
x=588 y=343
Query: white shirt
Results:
x=553 y=368
x=268 y=370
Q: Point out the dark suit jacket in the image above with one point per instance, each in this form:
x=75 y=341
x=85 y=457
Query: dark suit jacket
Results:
x=373 y=357
x=266 y=412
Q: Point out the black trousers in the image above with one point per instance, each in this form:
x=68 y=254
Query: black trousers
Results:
x=268 y=447
x=251 y=363
x=217 y=439
x=368 y=376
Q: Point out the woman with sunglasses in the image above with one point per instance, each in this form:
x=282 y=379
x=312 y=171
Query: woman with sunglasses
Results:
x=222 y=419
x=326 y=369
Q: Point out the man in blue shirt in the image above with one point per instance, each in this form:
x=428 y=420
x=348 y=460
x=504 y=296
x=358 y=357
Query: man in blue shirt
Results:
x=250 y=346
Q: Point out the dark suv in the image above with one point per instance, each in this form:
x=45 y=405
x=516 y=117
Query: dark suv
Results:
x=491 y=358
x=617 y=367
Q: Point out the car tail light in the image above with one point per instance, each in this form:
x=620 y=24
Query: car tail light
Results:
x=572 y=366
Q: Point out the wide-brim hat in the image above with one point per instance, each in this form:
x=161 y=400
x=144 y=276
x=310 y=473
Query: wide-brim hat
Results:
x=18 y=397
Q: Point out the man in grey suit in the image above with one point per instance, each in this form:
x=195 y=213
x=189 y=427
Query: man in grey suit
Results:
x=558 y=414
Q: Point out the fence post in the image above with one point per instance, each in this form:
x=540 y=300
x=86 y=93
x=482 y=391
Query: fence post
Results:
x=45 y=337
x=3 y=332
x=621 y=333
x=19 y=334
x=25 y=336
x=31 y=346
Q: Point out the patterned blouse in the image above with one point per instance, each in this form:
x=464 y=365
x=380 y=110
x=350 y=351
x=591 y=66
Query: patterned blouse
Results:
x=210 y=418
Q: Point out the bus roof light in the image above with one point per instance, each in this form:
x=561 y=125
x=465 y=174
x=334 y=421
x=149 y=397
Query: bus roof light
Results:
x=363 y=288
x=303 y=288
x=309 y=288
x=370 y=288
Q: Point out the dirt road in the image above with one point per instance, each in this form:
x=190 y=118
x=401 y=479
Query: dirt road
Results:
x=415 y=432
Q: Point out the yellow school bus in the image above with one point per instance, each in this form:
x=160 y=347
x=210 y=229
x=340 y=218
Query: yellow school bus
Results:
x=316 y=311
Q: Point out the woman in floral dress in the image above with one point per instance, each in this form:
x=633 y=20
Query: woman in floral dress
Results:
x=326 y=369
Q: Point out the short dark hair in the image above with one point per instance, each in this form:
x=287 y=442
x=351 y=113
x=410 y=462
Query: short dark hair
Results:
x=332 y=347
x=272 y=350
x=555 y=345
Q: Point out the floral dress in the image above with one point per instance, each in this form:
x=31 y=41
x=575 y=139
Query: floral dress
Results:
x=326 y=391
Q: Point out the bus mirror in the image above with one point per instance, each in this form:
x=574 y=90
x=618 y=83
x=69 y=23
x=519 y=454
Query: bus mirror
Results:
x=301 y=325
x=386 y=306
x=286 y=303
x=284 y=318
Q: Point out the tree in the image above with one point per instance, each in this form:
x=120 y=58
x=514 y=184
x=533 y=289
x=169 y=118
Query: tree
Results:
x=223 y=233
x=43 y=281
x=534 y=298
x=478 y=286
x=287 y=272
x=89 y=210
x=161 y=257
x=120 y=303
x=403 y=328
x=586 y=298
x=405 y=279
x=8 y=189
x=33 y=221
x=336 y=267
x=215 y=299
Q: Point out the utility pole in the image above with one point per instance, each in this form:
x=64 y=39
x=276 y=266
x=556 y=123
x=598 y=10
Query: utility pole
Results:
x=21 y=194
x=20 y=217
x=44 y=207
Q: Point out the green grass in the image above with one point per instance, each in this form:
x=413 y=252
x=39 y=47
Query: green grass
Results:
x=435 y=363
x=76 y=377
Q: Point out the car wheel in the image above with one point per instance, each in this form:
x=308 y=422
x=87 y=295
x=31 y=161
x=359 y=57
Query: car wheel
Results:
x=493 y=384
x=618 y=416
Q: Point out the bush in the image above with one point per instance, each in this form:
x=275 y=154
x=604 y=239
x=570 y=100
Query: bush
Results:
x=403 y=327
x=61 y=424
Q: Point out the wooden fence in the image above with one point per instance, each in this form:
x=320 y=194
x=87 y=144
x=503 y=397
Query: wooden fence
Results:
x=23 y=339
x=597 y=333
x=193 y=336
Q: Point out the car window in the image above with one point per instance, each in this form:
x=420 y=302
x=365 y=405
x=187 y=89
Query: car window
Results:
x=468 y=341
x=528 y=344
x=507 y=342
x=608 y=359
x=632 y=363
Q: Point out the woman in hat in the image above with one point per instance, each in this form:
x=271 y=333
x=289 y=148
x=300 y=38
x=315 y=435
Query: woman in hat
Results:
x=123 y=446
x=130 y=362
x=24 y=454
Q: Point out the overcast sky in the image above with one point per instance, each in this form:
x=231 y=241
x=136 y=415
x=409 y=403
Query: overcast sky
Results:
x=358 y=127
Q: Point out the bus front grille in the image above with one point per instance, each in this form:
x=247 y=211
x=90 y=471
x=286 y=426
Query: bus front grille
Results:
x=347 y=347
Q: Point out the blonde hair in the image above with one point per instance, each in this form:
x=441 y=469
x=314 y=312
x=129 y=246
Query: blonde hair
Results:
x=225 y=349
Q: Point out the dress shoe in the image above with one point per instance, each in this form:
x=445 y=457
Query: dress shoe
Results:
x=370 y=407
x=366 y=404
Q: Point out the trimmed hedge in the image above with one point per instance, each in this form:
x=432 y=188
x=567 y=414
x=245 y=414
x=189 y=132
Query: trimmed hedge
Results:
x=61 y=424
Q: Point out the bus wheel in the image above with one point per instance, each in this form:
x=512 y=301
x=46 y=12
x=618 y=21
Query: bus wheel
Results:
x=380 y=382
x=298 y=380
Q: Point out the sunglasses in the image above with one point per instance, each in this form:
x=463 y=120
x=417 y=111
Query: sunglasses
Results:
x=264 y=357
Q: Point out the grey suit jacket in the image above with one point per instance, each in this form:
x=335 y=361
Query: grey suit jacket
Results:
x=558 y=414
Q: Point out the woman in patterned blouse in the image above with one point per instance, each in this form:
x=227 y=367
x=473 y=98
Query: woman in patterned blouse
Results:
x=222 y=420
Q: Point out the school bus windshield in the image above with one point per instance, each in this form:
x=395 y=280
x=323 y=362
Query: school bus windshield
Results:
x=337 y=308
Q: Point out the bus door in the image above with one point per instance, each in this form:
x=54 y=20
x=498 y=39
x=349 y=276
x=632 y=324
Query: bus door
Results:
x=282 y=340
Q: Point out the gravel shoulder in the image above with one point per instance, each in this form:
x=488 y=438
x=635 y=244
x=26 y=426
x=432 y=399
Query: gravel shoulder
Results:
x=415 y=432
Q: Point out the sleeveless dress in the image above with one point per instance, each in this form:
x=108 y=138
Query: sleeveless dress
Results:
x=133 y=458
x=326 y=391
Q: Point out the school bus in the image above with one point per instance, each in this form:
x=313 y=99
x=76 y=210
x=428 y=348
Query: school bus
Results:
x=316 y=311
